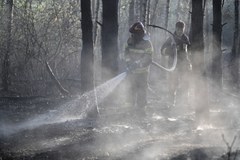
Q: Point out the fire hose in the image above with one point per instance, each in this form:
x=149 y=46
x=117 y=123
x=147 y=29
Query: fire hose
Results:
x=173 y=65
x=174 y=49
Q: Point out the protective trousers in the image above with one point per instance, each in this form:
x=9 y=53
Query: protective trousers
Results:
x=138 y=90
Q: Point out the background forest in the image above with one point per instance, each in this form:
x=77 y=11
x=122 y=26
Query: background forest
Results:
x=34 y=33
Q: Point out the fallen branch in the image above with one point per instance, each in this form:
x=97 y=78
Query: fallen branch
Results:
x=58 y=84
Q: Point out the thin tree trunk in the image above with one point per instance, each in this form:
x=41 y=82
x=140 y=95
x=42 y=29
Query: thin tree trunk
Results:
x=178 y=8
x=189 y=21
x=140 y=8
x=201 y=97
x=167 y=14
x=6 y=60
x=235 y=54
x=87 y=47
x=148 y=12
x=143 y=11
x=137 y=9
x=208 y=35
x=131 y=13
x=110 y=39
x=208 y=53
x=167 y=9
x=96 y=20
x=93 y=7
x=153 y=16
x=217 y=40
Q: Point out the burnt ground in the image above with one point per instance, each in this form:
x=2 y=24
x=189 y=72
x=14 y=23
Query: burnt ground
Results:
x=118 y=133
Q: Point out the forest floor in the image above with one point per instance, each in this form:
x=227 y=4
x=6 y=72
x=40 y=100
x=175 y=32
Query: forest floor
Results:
x=165 y=133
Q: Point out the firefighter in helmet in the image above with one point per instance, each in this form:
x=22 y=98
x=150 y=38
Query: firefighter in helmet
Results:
x=178 y=79
x=138 y=57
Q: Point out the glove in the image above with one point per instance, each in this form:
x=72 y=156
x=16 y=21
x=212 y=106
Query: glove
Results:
x=133 y=66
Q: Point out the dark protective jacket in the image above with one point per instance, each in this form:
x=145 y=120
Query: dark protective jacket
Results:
x=139 y=52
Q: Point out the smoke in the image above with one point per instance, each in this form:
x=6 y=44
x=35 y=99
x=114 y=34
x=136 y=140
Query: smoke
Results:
x=166 y=130
x=198 y=119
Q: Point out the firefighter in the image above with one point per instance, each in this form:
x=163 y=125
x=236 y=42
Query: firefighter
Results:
x=178 y=81
x=138 y=57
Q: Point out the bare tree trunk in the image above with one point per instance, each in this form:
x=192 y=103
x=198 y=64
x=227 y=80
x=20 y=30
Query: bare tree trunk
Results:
x=207 y=53
x=137 y=9
x=131 y=13
x=148 y=12
x=140 y=8
x=87 y=47
x=153 y=16
x=167 y=9
x=143 y=11
x=201 y=97
x=93 y=2
x=110 y=39
x=167 y=14
x=208 y=35
x=217 y=40
x=235 y=55
x=189 y=21
x=96 y=20
x=178 y=8
x=6 y=60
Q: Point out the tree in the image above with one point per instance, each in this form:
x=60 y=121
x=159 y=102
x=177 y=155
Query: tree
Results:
x=131 y=13
x=189 y=31
x=167 y=14
x=197 y=48
x=87 y=47
x=153 y=16
x=178 y=10
x=235 y=49
x=217 y=40
x=6 y=60
x=143 y=11
x=148 y=12
x=109 y=39
x=95 y=28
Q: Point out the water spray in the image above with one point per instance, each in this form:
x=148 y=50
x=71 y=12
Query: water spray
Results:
x=75 y=109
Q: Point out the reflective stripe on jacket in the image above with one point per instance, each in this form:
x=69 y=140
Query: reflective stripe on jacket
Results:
x=140 y=52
